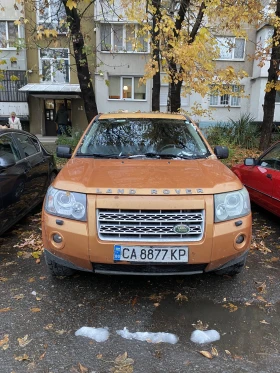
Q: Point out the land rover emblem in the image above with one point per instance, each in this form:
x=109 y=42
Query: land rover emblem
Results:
x=181 y=229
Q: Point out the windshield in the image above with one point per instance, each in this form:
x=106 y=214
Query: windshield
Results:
x=143 y=137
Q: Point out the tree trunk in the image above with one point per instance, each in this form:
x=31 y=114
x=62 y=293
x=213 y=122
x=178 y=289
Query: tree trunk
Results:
x=84 y=76
x=269 y=98
x=156 y=56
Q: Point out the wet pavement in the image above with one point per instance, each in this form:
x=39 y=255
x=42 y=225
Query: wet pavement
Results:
x=40 y=314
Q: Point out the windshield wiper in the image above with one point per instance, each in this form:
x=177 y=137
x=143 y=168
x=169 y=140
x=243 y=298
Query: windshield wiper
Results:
x=99 y=155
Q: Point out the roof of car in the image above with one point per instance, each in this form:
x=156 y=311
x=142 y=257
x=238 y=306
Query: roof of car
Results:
x=139 y=114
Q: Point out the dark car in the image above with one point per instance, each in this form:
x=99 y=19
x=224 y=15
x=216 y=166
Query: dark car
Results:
x=26 y=171
x=261 y=177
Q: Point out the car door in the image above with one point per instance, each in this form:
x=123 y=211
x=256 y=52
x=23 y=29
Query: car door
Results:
x=263 y=178
x=12 y=183
x=39 y=168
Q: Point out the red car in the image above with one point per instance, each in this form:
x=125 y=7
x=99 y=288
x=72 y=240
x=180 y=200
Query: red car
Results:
x=262 y=178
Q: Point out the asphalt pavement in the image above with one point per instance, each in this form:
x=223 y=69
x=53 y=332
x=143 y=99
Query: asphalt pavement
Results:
x=40 y=314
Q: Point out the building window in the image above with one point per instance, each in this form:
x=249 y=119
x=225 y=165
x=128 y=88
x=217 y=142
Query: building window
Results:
x=54 y=65
x=227 y=99
x=51 y=15
x=123 y=38
x=185 y=100
x=126 y=88
x=231 y=48
x=11 y=82
x=9 y=33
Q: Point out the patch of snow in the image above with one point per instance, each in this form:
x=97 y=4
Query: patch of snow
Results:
x=97 y=334
x=205 y=336
x=149 y=337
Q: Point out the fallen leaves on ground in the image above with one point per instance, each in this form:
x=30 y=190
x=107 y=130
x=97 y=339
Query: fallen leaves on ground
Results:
x=199 y=325
x=22 y=357
x=264 y=322
x=181 y=298
x=4 y=343
x=231 y=307
x=123 y=364
x=260 y=246
x=33 y=242
x=206 y=354
x=35 y=309
x=24 y=341
x=7 y=309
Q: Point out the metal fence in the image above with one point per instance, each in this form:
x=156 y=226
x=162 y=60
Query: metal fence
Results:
x=9 y=86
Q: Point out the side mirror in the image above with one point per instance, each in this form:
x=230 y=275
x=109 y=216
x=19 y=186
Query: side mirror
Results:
x=6 y=162
x=63 y=151
x=249 y=162
x=221 y=152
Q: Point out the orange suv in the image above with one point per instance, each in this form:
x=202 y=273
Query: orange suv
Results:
x=144 y=194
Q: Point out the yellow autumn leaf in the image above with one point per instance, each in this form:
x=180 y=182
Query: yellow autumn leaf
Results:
x=71 y=4
x=206 y=354
x=35 y=309
x=22 y=357
x=5 y=309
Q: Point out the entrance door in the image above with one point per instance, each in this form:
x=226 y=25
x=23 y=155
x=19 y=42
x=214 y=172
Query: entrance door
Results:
x=51 y=107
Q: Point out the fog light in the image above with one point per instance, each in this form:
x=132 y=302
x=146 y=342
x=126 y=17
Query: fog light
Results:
x=240 y=239
x=57 y=238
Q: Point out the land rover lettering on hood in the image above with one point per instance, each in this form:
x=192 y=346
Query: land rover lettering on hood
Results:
x=144 y=194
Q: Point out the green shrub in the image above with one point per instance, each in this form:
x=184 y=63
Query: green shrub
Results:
x=70 y=140
x=242 y=132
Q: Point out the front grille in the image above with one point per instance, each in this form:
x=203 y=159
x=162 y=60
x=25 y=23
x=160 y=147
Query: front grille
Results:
x=148 y=269
x=149 y=225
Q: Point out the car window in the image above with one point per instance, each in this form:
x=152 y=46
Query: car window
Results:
x=28 y=144
x=272 y=158
x=8 y=152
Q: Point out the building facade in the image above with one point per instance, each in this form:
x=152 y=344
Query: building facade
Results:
x=52 y=76
x=117 y=65
x=13 y=64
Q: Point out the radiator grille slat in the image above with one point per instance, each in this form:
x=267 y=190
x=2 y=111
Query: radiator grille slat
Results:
x=149 y=225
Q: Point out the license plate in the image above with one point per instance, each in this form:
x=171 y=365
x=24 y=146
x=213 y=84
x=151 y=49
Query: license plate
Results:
x=153 y=254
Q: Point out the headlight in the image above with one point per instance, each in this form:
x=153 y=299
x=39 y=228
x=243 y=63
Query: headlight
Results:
x=231 y=205
x=70 y=205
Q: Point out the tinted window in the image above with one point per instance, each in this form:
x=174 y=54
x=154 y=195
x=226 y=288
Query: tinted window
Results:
x=8 y=152
x=28 y=145
x=141 y=136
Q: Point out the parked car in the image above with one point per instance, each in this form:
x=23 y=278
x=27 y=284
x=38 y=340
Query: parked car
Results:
x=143 y=193
x=261 y=177
x=26 y=171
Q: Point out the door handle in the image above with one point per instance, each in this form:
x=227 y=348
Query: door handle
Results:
x=269 y=176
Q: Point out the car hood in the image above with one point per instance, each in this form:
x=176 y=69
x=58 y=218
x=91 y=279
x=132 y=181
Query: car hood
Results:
x=146 y=177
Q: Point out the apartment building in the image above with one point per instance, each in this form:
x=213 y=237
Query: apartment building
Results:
x=52 y=76
x=13 y=64
x=117 y=65
x=122 y=65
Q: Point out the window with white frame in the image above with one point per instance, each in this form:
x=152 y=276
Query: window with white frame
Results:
x=185 y=100
x=9 y=32
x=54 y=65
x=123 y=38
x=126 y=88
x=231 y=48
x=227 y=99
x=51 y=14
